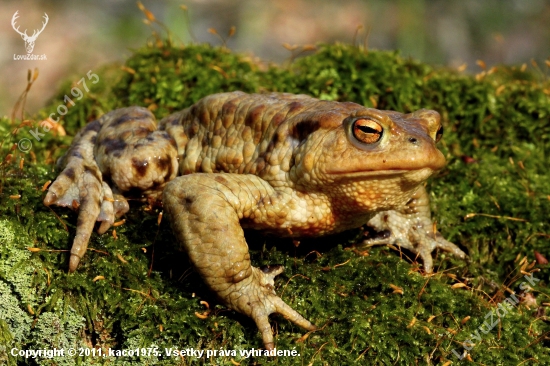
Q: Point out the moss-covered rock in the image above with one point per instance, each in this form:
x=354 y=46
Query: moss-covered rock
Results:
x=134 y=292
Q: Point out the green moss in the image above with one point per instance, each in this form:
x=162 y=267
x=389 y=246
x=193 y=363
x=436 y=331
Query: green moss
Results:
x=21 y=291
x=136 y=291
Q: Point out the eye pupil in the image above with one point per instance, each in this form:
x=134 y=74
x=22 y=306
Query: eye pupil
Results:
x=367 y=129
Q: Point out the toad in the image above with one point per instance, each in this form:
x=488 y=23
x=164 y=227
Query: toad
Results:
x=288 y=165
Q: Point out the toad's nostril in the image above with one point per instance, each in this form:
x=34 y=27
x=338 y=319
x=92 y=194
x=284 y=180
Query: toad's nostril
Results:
x=413 y=140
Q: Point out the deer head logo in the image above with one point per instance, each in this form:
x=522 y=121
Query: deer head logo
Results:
x=29 y=40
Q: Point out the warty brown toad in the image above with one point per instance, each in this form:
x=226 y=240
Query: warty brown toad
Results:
x=289 y=165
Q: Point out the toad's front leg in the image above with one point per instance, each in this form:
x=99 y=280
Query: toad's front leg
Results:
x=412 y=228
x=205 y=211
x=121 y=152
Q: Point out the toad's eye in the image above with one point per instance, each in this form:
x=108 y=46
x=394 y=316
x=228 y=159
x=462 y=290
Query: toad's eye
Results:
x=439 y=133
x=367 y=131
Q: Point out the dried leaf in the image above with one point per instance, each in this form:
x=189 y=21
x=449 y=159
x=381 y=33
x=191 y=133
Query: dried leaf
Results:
x=540 y=258
x=149 y=15
x=201 y=316
x=303 y=338
x=396 y=289
x=128 y=69
x=523 y=67
x=121 y=258
x=289 y=47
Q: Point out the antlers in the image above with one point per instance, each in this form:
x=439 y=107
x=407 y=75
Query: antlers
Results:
x=15 y=16
x=24 y=34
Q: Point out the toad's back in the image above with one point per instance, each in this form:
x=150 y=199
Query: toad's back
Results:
x=234 y=133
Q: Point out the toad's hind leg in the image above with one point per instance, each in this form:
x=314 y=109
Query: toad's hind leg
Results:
x=205 y=212
x=120 y=152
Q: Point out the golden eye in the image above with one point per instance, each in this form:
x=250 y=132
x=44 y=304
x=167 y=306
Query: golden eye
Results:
x=367 y=131
x=439 y=133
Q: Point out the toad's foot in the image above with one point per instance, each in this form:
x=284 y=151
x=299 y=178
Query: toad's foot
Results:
x=256 y=298
x=413 y=232
x=80 y=186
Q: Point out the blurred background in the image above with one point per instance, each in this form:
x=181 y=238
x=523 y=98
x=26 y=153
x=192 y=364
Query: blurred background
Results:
x=82 y=35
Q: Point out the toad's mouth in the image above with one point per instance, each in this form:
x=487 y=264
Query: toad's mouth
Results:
x=413 y=174
x=369 y=172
